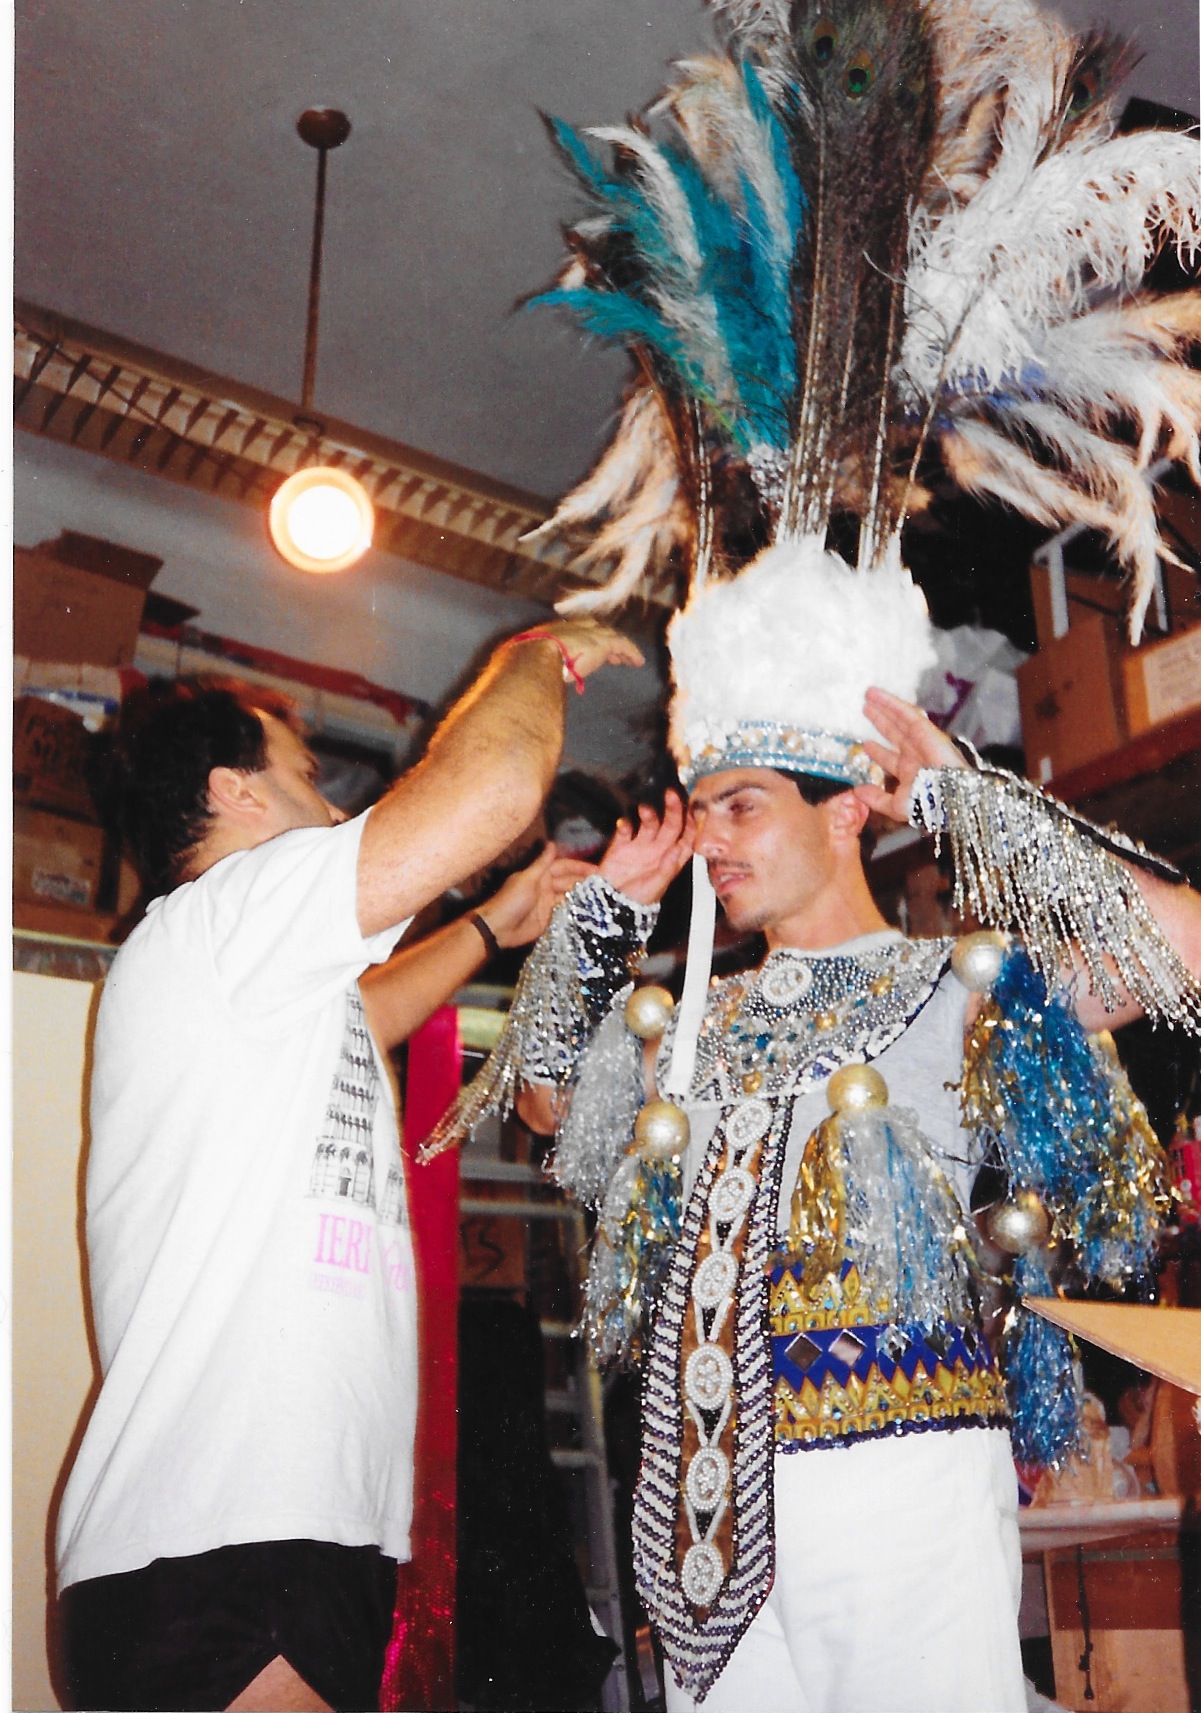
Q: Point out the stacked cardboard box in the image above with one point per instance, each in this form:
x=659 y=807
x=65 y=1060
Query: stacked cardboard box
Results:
x=79 y=599
x=58 y=847
x=78 y=602
x=1086 y=691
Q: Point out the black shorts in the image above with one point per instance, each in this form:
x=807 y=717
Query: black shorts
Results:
x=186 y=1635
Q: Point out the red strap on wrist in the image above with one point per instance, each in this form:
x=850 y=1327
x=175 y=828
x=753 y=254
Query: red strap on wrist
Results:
x=570 y=672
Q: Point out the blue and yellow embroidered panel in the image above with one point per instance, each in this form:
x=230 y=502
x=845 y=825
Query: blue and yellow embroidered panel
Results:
x=839 y=1375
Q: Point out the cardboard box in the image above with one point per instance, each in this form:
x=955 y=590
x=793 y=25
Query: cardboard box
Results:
x=1090 y=592
x=55 y=860
x=1071 y=699
x=79 y=612
x=1135 y=1590
x=1162 y=680
x=50 y=756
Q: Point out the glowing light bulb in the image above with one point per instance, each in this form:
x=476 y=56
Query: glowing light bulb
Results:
x=321 y=519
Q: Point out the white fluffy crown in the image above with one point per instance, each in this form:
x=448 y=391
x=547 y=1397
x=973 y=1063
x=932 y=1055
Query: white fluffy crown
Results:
x=771 y=667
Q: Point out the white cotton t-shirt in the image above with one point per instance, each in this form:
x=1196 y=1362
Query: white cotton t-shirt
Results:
x=250 y=1266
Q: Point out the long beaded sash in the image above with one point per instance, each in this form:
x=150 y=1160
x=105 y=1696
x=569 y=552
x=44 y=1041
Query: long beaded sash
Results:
x=703 y=1550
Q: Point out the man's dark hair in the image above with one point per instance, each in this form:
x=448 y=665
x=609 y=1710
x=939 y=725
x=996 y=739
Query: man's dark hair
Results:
x=580 y=796
x=172 y=736
x=814 y=790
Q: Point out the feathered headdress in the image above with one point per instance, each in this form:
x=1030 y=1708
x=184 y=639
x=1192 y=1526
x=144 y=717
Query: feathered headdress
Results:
x=864 y=229
x=771 y=666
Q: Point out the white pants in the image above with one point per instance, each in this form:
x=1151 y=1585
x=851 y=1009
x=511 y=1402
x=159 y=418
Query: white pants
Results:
x=898 y=1576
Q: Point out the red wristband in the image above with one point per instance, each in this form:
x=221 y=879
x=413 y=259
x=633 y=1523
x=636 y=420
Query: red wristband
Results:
x=569 y=666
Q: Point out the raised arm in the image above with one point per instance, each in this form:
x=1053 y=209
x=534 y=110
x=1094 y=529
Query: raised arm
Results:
x=644 y=857
x=1177 y=912
x=911 y=742
x=1088 y=904
x=484 y=775
x=400 y=995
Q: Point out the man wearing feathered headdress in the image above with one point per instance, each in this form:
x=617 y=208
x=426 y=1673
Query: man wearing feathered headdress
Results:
x=872 y=228
x=782 y=1233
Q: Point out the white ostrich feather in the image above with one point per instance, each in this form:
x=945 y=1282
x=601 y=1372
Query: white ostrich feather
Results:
x=761 y=29
x=797 y=638
x=1117 y=365
x=1020 y=297
x=1106 y=490
x=641 y=542
x=634 y=495
x=1033 y=248
x=983 y=50
x=639 y=441
x=753 y=20
x=661 y=186
x=677 y=291
x=709 y=106
x=1114 y=367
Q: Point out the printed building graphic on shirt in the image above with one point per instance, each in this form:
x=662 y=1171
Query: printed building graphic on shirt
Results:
x=344 y=1165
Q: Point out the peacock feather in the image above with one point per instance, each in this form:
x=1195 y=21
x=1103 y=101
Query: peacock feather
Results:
x=862 y=121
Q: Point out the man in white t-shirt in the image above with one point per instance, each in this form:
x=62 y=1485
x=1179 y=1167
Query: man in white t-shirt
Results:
x=230 y=1530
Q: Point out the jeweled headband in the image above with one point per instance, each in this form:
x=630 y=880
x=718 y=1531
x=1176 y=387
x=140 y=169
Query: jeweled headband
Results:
x=787 y=749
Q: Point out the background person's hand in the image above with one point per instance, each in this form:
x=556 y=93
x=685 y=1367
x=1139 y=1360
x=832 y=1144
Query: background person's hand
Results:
x=644 y=858
x=520 y=910
x=913 y=741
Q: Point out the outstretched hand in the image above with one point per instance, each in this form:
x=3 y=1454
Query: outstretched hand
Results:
x=520 y=910
x=913 y=742
x=589 y=645
x=644 y=859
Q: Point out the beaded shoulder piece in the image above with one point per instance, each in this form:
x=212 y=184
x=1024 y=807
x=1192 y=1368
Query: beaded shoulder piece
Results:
x=583 y=961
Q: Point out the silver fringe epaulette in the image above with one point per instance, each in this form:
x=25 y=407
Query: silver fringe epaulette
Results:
x=1027 y=863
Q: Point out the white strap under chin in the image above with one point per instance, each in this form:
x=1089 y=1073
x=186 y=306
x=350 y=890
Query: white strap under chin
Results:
x=696 y=983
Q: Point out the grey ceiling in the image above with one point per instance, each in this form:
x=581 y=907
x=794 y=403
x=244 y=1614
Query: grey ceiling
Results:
x=162 y=193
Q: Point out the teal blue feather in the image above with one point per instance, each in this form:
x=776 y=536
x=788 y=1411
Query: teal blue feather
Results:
x=725 y=335
x=621 y=319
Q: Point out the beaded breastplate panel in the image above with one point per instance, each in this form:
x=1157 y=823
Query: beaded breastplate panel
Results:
x=788 y=1026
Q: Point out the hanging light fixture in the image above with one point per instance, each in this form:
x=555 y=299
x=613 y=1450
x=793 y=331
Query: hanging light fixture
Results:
x=321 y=518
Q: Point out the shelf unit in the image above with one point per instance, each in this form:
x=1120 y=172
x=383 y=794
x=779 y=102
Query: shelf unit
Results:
x=529 y=1195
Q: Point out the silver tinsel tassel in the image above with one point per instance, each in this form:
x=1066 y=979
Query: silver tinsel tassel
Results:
x=608 y=1323
x=568 y=981
x=904 y=1225
x=604 y=1104
x=1024 y=862
x=636 y=1234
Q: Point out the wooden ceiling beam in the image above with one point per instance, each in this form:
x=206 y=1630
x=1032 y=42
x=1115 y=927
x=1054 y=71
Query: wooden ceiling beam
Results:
x=89 y=389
